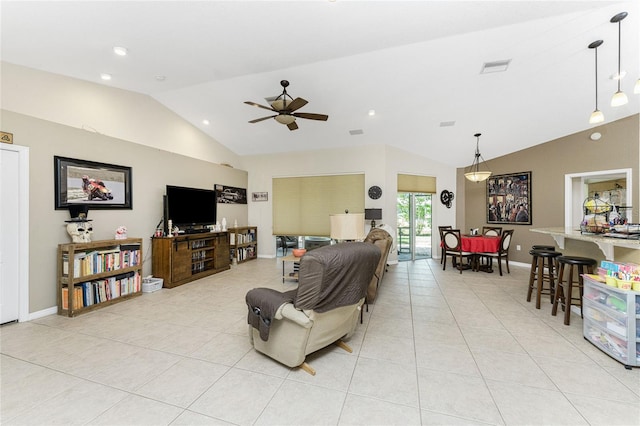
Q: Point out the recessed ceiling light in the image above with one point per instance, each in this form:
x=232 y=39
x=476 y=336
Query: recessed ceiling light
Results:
x=356 y=132
x=160 y=78
x=205 y=122
x=447 y=123
x=105 y=76
x=495 y=66
x=120 y=51
x=372 y=112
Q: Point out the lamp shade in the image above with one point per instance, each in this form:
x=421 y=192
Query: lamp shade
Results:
x=477 y=176
x=347 y=226
x=285 y=118
x=373 y=214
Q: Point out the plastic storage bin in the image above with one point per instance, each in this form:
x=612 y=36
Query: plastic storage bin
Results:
x=149 y=285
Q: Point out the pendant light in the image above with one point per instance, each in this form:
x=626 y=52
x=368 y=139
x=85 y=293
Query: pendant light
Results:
x=475 y=174
x=619 y=98
x=596 y=115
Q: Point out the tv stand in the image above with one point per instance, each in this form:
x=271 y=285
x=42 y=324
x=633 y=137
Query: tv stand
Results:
x=196 y=230
x=182 y=259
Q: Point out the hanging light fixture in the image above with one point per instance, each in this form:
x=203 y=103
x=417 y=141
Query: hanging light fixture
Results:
x=475 y=174
x=596 y=115
x=619 y=98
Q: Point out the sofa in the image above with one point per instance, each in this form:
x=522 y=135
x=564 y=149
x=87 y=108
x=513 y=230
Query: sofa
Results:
x=383 y=240
x=332 y=286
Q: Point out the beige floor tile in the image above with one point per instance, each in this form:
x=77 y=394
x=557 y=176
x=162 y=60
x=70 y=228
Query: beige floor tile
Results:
x=238 y=397
x=189 y=418
x=511 y=367
x=136 y=410
x=76 y=405
x=606 y=412
x=439 y=419
x=224 y=349
x=593 y=381
x=523 y=405
x=387 y=381
x=444 y=357
x=183 y=382
x=457 y=395
x=360 y=410
x=389 y=348
x=298 y=403
x=435 y=348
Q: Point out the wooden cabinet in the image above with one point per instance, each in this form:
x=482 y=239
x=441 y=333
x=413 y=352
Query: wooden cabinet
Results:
x=179 y=260
x=612 y=321
x=97 y=274
x=243 y=243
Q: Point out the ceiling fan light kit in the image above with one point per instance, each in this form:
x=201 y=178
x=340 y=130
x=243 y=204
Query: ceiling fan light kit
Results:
x=286 y=109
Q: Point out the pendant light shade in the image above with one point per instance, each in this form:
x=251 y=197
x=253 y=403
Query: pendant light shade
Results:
x=619 y=98
x=475 y=173
x=596 y=115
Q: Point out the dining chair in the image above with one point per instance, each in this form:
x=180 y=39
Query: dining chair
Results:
x=452 y=246
x=492 y=231
x=440 y=229
x=503 y=251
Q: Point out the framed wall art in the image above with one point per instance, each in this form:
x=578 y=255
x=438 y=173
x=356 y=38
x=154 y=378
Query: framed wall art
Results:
x=231 y=195
x=91 y=185
x=509 y=199
x=260 y=196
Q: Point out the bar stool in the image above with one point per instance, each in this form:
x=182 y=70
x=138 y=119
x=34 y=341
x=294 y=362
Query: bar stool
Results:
x=538 y=276
x=573 y=263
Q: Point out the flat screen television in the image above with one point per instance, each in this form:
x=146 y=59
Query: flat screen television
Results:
x=190 y=207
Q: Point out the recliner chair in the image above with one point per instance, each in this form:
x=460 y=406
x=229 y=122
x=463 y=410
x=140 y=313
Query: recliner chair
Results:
x=383 y=240
x=332 y=284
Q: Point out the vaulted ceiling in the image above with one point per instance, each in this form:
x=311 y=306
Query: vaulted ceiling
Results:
x=416 y=63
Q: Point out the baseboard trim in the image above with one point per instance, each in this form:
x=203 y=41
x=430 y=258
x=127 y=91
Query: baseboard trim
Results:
x=43 y=313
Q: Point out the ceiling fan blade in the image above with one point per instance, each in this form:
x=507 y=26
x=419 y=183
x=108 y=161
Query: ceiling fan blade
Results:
x=259 y=106
x=297 y=103
x=262 y=119
x=311 y=116
x=292 y=126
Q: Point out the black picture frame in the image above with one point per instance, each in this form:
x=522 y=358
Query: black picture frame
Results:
x=81 y=185
x=509 y=199
x=230 y=194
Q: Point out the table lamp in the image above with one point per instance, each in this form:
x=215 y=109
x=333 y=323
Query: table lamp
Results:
x=373 y=215
x=347 y=226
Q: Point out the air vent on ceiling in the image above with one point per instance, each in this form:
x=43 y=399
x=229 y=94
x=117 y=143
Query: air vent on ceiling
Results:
x=356 y=132
x=495 y=66
x=447 y=123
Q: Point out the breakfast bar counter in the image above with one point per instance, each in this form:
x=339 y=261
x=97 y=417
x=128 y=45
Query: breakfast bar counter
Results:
x=605 y=244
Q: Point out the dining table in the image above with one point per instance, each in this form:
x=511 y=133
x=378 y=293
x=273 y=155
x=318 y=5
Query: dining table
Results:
x=479 y=244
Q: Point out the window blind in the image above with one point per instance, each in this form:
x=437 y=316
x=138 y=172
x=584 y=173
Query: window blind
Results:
x=416 y=183
x=302 y=205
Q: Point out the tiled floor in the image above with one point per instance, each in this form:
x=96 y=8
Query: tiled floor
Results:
x=436 y=348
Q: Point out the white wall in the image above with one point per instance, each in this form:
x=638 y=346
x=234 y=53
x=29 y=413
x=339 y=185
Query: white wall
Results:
x=380 y=164
x=108 y=111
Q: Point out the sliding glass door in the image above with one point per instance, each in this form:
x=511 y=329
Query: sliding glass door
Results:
x=414 y=226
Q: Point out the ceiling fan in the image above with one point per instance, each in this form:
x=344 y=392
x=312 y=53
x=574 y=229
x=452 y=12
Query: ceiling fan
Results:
x=285 y=106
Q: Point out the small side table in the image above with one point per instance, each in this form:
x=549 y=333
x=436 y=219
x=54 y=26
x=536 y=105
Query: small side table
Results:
x=295 y=260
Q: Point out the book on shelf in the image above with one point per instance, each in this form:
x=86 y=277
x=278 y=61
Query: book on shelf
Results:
x=98 y=261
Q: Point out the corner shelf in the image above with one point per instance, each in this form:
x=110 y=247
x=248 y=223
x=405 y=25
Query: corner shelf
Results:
x=243 y=243
x=97 y=274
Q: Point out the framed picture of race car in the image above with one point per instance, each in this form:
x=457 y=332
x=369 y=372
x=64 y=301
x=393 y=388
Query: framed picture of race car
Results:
x=82 y=185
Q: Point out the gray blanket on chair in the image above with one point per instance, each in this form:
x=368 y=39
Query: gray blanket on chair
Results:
x=263 y=304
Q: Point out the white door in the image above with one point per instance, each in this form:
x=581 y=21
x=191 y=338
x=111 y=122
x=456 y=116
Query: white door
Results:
x=13 y=218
